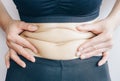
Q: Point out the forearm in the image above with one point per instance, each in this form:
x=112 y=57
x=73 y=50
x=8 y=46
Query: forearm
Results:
x=4 y=17
x=114 y=16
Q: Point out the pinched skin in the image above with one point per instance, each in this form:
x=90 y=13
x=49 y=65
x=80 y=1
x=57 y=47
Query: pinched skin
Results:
x=56 y=40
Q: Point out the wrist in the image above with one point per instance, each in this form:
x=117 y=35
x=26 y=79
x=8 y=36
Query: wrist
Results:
x=111 y=23
x=113 y=20
x=6 y=24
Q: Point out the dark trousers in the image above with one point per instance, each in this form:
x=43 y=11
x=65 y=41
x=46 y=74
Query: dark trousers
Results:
x=59 y=70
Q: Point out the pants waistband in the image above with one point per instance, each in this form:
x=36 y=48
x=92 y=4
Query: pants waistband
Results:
x=70 y=62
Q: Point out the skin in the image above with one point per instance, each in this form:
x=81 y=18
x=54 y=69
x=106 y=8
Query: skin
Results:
x=101 y=43
x=12 y=29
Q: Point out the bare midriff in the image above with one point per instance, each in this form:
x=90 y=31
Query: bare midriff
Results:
x=56 y=40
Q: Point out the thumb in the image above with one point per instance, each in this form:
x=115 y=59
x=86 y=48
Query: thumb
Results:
x=30 y=27
x=86 y=27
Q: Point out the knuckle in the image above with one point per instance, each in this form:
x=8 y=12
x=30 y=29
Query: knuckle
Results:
x=12 y=56
x=31 y=46
x=7 y=42
x=22 y=23
x=9 y=46
x=28 y=56
x=23 y=52
x=29 y=26
x=23 y=42
x=20 y=48
x=25 y=24
x=10 y=37
x=19 y=42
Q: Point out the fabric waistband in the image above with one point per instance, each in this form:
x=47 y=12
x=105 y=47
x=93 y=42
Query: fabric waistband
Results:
x=55 y=62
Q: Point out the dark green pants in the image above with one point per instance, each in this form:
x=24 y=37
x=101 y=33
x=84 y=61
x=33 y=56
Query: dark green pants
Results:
x=59 y=70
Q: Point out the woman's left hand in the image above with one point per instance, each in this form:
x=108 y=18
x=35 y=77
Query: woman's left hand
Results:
x=101 y=43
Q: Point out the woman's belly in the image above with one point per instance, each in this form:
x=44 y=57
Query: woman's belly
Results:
x=56 y=40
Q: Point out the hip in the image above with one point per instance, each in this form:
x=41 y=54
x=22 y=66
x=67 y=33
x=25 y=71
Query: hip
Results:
x=59 y=70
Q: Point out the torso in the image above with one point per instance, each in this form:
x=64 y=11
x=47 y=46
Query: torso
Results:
x=57 y=37
x=57 y=40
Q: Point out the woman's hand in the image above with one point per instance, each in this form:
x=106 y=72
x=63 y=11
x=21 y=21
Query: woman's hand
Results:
x=16 y=43
x=101 y=43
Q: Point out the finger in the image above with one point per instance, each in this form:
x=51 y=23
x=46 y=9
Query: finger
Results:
x=7 y=60
x=19 y=49
x=86 y=27
x=88 y=55
x=104 y=59
x=28 y=27
x=16 y=58
x=8 y=43
x=107 y=44
x=23 y=42
x=93 y=41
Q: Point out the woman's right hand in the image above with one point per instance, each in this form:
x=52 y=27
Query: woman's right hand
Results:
x=16 y=43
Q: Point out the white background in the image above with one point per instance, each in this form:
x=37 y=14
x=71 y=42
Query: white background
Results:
x=114 y=65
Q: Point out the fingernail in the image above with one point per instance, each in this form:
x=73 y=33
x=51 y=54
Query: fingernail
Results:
x=99 y=64
x=82 y=57
x=33 y=59
x=24 y=65
x=33 y=27
x=8 y=66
